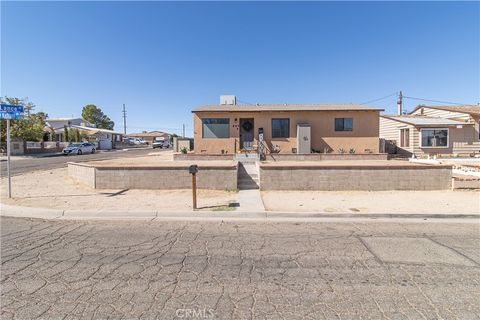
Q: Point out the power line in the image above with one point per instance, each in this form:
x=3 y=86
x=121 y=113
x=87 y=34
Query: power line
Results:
x=437 y=101
x=246 y=102
x=370 y=101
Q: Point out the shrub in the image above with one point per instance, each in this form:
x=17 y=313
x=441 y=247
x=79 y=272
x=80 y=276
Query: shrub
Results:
x=184 y=150
x=351 y=151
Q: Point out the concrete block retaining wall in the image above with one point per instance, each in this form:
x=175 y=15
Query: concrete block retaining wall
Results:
x=84 y=174
x=366 y=179
x=174 y=177
x=276 y=177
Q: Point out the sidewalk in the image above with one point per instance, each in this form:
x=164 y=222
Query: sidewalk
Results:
x=58 y=214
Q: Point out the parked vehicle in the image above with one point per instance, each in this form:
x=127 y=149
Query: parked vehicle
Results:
x=79 y=148
x=140 y=141
x=162 y=144
x=128 y=140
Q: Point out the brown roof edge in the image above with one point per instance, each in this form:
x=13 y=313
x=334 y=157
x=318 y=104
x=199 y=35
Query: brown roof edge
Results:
x=284 y=108
x=468 y=109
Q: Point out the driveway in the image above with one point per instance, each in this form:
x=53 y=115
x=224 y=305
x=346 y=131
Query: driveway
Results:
x=179 y=270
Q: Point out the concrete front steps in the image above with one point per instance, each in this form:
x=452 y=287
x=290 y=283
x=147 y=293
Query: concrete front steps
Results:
x=248 y=175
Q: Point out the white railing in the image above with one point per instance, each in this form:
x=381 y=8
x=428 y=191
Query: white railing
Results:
x=50 y=144
x=34 y=145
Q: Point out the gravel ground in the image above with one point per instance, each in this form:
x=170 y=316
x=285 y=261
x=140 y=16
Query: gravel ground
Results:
x=55 y=189
x=429 y=202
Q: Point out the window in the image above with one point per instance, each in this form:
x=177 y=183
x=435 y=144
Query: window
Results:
x=434 y=138
x=404 y=137
x=280 y=128
x=343 y=124
x=216 y=128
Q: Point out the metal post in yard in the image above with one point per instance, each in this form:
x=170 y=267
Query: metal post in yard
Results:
x=8 y=160
x=193 y=169
x=194 y=190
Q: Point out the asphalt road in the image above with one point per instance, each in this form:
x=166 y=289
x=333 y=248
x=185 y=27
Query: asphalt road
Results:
x=186 y=270
x=25 y=164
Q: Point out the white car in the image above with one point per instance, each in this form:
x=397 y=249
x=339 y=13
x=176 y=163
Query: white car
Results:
x=162 y=144
x=79 y=148
x=135 y=141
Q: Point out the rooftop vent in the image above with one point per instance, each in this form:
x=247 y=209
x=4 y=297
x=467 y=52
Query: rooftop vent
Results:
x=228 y=100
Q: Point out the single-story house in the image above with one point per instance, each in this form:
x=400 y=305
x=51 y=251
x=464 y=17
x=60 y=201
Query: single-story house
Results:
x=149 y=137
x=229 y=128
x=103 y=138
x=434 y=130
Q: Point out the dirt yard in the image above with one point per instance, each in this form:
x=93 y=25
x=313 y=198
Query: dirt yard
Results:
x=55 y=189
x=431 y=202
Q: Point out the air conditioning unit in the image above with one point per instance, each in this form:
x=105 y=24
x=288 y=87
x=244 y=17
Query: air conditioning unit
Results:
x=228 y=100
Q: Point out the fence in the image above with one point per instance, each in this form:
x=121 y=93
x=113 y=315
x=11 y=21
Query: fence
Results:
x=31 y=147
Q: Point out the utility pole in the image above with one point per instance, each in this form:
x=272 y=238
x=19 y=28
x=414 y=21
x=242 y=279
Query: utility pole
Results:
x=124 y=120
x=400 y=103
x=183 y=134
x=8 y=160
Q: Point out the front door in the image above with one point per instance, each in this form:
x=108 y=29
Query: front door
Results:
x=246 y=134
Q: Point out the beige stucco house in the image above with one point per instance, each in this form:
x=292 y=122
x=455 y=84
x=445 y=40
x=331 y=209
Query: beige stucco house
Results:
x=434 y=130
x=229 y=128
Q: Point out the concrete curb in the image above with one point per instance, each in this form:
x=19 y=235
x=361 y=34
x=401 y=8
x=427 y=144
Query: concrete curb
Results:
x=43 y=213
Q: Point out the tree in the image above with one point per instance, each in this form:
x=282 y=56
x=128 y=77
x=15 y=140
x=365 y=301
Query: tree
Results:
x=65 y=134
x=77 y=135
x=95 y=115
x=31 y=127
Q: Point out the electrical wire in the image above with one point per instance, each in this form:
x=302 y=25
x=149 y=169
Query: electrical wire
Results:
x=436 y=101
x=374 y=100
x=245 y=102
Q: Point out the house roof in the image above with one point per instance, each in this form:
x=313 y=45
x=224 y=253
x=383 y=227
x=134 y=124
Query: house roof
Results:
x=470 y=109
x=285 y=107
x=425 y=121
x=63 y=119
x=95 y=130
x=151 y=134
x=91 y=130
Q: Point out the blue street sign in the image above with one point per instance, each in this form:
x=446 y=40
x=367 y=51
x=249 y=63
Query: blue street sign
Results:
x=10 y=115
x=10 y=108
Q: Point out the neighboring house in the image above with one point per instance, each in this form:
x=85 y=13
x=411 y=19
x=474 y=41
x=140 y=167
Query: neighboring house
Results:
x=104 y=139
x=56 y=126
x=434 y=130
x=149 y=137
x=230 y=128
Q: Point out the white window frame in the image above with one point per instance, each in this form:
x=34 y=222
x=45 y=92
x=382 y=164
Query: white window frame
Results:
x=399 y=142
x=440 y=147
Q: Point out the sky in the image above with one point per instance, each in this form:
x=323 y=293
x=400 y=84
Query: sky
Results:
x=162 y=59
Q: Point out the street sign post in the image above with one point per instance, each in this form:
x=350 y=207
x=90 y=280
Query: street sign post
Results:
x=9 y=112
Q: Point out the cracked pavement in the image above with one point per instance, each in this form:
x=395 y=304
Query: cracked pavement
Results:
x=238 y=270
